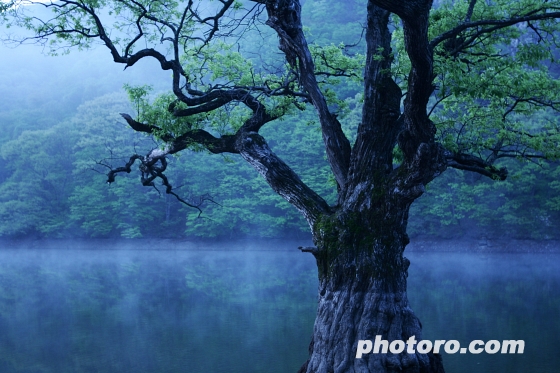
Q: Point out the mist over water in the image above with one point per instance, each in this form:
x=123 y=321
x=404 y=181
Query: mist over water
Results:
x=247 y=310
x=221 y=308
x=467 y=296
x=155 y=311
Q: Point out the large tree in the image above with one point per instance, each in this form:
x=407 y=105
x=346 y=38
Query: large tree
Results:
x=450 y=86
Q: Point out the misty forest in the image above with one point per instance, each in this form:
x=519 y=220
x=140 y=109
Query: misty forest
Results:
x=230 y=185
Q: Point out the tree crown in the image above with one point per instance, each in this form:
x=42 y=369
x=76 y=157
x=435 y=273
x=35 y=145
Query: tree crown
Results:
x=460 y=84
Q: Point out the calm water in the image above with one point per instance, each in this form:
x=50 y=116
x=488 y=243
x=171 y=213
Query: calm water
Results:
x=249 y=311
x=500 y=296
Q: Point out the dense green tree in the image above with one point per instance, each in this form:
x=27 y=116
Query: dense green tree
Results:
x=455 y=205
x=471 y=73
x=99 y=210
x=85 y=205
x=460 y=204
x=34 y=198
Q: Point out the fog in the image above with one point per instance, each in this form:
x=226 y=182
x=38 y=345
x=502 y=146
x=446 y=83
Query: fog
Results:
x=147 y=311
x=77 y=297
x=53 y=184
x=31 y=80
x=489 y=296
x=236 y=309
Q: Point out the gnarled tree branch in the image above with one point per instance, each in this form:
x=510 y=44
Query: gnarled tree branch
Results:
x=284 y=16
x=493 y=25
x=469 y=162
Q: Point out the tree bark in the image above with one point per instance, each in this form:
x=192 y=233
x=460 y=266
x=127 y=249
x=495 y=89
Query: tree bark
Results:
x=362 y=292
x=360 y=242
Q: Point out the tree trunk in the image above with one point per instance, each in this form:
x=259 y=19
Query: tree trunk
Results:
x=360 y=241
x=362 y=294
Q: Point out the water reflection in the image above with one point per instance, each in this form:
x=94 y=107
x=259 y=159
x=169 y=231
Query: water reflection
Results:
x=142 y=311
x=178 y=311
x=492 y=296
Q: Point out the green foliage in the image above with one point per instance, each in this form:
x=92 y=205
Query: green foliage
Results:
x=348 y=16
x=52 y=188
x=4 y=6
x=497 y=90
x=460 y=204
x=339 y=73
x=34 y=196
x=138 y=96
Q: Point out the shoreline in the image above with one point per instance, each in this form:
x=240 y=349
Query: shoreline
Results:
x=275 y=244
x=484 y=246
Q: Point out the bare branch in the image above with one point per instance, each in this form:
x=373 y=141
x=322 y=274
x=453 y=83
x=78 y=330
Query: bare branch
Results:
x=285 y=18
x=470 y=11
x=216 y=145
x=469 y=162
x=281 y=178
x=494 y=25
x=151 y=172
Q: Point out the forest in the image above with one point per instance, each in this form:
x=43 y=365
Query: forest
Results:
x=54 y=186
x=359 y=126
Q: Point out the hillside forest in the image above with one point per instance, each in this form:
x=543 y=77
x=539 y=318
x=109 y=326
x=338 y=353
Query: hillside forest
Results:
x=54 y=186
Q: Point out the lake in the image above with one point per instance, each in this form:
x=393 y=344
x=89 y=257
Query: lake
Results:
x=250 y=311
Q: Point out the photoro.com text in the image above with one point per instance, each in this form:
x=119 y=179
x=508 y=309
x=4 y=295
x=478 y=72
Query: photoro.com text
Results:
x=411 y=346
